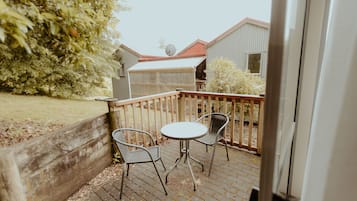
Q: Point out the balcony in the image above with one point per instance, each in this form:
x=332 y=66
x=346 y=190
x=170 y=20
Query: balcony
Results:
x=229 y=180
x=56 y=165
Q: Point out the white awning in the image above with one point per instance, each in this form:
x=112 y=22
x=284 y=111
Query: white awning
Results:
x=168 y=65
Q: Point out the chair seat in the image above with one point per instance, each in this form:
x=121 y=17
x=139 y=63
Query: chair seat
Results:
x=217 y=123
x=208 y=139
x=141 y=156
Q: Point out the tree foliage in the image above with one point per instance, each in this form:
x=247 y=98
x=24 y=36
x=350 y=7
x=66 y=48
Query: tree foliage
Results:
x=56 y=47
x=227 y=78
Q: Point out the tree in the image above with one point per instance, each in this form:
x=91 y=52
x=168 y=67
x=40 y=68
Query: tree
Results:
x=227 y=78
x=56 y=47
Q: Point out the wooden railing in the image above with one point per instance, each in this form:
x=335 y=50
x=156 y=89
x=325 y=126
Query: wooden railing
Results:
x=150 y=113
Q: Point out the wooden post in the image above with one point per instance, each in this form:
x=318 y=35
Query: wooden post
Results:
x=11 y=187
x=181 y=106
x=112 y=115
x=113 y=120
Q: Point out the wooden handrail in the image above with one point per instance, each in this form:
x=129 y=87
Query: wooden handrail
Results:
x=223 y=95
x=152 y=112
x=117 y=103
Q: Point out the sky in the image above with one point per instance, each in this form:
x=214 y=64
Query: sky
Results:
x=148 y=23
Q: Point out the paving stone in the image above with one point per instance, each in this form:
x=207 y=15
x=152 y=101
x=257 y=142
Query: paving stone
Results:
x=229 y=180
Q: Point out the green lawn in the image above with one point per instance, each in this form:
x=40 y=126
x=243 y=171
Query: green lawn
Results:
x=26 y=117
x=18 y=107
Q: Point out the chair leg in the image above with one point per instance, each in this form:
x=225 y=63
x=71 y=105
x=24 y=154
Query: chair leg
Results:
x=225 y=144
x=158 y=174
x=212 y=157
x=206 y=148
x=122 y=181
x=127 y=170
x=163 y=165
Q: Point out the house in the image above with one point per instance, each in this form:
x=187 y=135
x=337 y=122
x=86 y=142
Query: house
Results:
x=147 y=74
x=246 y=44
x=129 y=57
x=154 y=74
x=163 y=75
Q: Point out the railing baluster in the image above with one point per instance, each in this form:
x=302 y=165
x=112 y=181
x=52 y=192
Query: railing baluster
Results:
x=172 y=108
x=148 y=114
x=134 y=121
x=202 y=105
x=251 y=121
x=177 y=108
x=182 y=107
x=241 y=121
x=233 y=116
x=225 y=111
x=125 y=116
x=191 y=107
x=167 y=109
x=217 y=105
x=260 y=127
x=196 y=107
x=209 y=107
x=142 y=120
x=160 y=108
x=194 y=104
x=155 y=120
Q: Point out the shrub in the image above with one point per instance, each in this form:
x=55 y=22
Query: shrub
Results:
x=227 y=78
x=58 y=48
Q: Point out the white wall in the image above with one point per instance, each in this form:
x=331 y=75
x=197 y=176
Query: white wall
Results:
x=247 y=39
x=121 y=88
x=331 y=164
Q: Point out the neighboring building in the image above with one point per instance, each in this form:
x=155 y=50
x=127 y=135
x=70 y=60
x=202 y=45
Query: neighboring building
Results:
x=154 y=74
x=246 y=44
x=163 y=75
x=129 y=58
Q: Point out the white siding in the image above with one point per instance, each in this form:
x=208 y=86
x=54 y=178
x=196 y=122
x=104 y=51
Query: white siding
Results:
x=121 y=86
x=247 y=39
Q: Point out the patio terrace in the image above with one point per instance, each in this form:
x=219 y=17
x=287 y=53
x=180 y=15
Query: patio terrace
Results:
x=229 y=180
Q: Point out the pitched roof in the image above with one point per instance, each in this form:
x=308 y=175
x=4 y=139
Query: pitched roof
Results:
x=168 y=64
x=254 y=22
x=197 y=48
x=130 y=50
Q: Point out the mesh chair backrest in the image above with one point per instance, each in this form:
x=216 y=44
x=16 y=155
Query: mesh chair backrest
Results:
x=217 y=121
x=119 y=136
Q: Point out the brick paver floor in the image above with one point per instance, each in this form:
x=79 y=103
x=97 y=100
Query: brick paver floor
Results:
x=229 y=180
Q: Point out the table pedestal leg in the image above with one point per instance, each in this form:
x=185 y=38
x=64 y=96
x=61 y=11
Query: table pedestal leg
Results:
x=177 y=161
x=185 y=152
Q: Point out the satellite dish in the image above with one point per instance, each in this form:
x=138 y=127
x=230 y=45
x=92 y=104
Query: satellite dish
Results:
x=170 y=50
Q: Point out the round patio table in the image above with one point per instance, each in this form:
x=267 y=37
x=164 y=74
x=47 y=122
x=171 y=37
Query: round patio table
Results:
x=184 y=131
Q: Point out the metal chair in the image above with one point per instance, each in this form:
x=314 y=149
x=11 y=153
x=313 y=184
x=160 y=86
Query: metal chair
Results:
x=134 y=153
x=217 y=124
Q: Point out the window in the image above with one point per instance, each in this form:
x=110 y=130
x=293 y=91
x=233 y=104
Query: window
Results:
x=254 y=62
x=121 y=70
